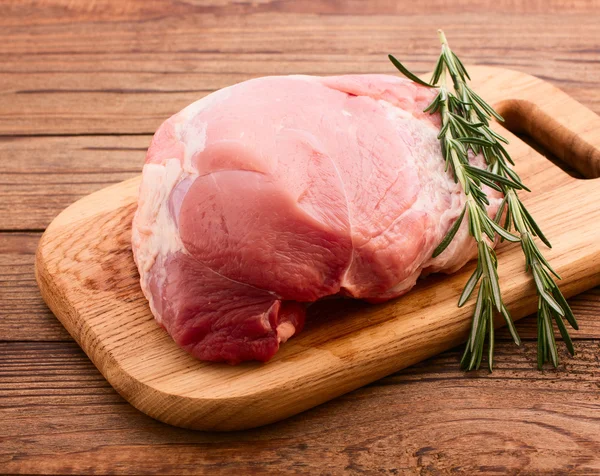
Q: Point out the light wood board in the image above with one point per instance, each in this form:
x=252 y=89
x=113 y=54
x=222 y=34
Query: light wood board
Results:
x=86 y=273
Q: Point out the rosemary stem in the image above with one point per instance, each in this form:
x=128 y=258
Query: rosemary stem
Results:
x=442 y=37
x=518 y=218
x=466 y=133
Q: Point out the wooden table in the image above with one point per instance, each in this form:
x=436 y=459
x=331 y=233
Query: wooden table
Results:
x=83 y=86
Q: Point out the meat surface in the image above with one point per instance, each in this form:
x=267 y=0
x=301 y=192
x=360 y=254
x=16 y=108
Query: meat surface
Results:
x=280 y=191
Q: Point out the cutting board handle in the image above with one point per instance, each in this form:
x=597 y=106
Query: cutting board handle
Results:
x=556 y=121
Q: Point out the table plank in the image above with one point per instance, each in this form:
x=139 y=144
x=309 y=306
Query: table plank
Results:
x=59 y=415
x=102 y=89
x=63 y=11
x=23 y=314
x=41 y=176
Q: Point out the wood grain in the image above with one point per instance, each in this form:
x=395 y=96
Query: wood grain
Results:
x=428 y=419
x=450 y=422
x=133 y=78
x=62 y=11
x=43 y=175
x=89 y=280
x=24 y=316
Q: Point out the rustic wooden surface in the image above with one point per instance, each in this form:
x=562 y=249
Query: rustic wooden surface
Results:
x=83 y=84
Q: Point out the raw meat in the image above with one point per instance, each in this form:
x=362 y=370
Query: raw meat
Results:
x=280 y=191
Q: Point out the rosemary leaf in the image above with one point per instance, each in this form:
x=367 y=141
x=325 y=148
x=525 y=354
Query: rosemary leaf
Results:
x=563 y=303
x=491 y=343
x=564 y=334
x=502 y=232
x=450 y=235
x=534 y=227
x=511 y=326
x=407 y=73
x=470 y=286
x=551 y=346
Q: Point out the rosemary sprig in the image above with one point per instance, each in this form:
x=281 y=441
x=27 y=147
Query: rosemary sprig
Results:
x=465 y=132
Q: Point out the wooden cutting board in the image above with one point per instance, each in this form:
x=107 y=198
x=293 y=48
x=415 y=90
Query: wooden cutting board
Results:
x=87 y=276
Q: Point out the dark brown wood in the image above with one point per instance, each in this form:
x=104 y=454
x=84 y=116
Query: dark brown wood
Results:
x=136 y=64
x=24 y=315
x=429 y=418
x=62 y=11
x=43 y=175
x=121 y=67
